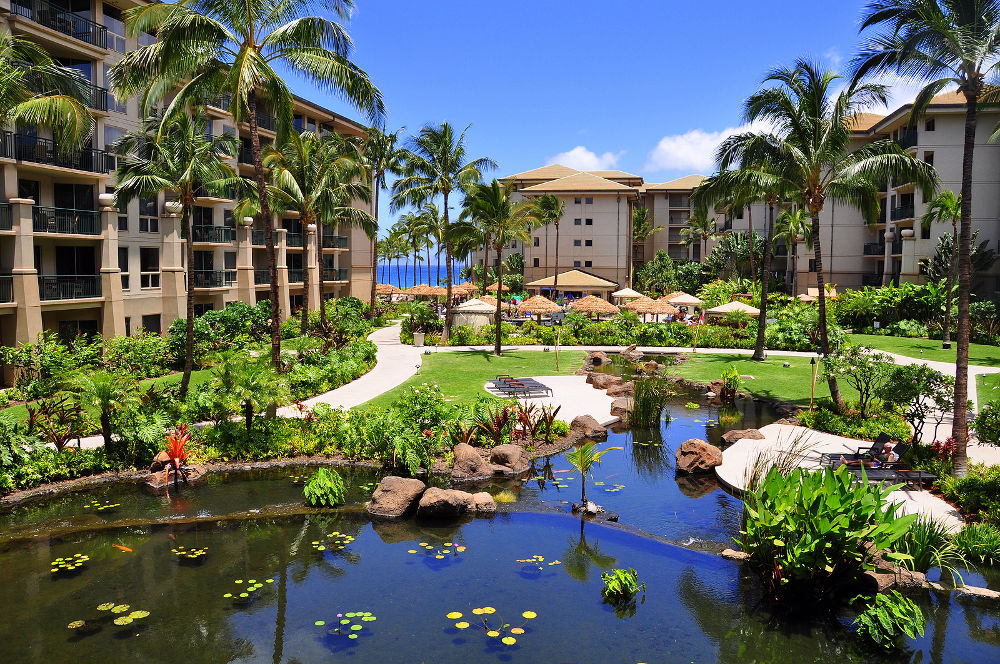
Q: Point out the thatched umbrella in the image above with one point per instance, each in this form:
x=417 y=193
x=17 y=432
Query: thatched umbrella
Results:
x=422 y=290
x=437 y=291
x=488 y=300
x=386 y=289
x=493 y=287
x=538 y=305
x=645 y=305
x=468 y=286
x=593 y=305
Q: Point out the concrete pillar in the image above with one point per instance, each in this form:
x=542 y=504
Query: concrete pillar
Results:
x=311 y=263
x=172 y=286
x=113 y=324
x=909 y=268
x=25 y=280
x=244 y=262
x=887 y=237
x=281 y=258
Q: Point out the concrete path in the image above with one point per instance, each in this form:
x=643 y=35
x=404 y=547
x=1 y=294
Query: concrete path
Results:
x=574 y=395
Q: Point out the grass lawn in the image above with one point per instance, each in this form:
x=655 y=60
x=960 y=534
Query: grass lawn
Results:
x=978 y=353
x=988 y=388
x=461 y=375
x=771 y=379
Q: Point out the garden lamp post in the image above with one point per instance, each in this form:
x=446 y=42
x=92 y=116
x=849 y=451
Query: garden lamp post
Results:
x=812 y=393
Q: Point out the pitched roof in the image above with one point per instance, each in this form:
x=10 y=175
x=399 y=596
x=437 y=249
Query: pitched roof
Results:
x=618 y=176
x=686 y=182
x=550 y=172
x=579 y=182
x=865 y=121
x=573 y=279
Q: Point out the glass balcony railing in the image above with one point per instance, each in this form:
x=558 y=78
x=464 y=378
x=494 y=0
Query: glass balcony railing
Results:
x=213 y=234
x=335 y=274
x=257 y=238
x=874 y=249
x=334 y=241
x=262 y=277
x=6 y=217
x=61 y=20
x=25 y=147
x=65 y=221
x=295 y=275
x=245 y=154
x=293 y=239
x=68 y=286
x=6 y=288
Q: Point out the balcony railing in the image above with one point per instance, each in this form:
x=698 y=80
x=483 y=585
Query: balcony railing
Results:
x=262 y=277
x=6 y=217
x=68 y=286
x=213 y=234
x=874 y=249
x=293 y=240
x=266 y=121
x=65 y=221
x=97 y=97
x=897 y=248
x=209 y=278
x=222 y=101
x=638 y=253
x=257 y=238
x=25 y=147
x=335 y=274
x=295 y=275
x=6 y=288
x=907 y=138
x=245 y=154
x=61 y=20
x=902 y=212
x=334 y=241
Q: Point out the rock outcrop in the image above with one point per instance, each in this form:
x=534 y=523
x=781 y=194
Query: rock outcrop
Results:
x=697 y=456
x=588 y=426
x=622 y=390
x=622 y=407
x=395 y=497
x=469 y=464
x=443 y=504
x=160 y=462
x=739 y=434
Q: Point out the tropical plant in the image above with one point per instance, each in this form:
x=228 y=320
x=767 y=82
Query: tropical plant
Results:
x=980 y=542
x=177 y=441
x=658 y=274
x=864 y=369
x=549 y=209
x=109 y=393
x=789 y=227
x=731 y=382
x=247 y=385
x=981 y=259
x=207 y=47
x=928 y=544
x=700 y=228
x=325 y=489
x=649 y=397
x=496 y=422
x=946 y=207
x=888 y=616
x=583 y=457
x=924 y=395
x=383 y=157
x=547 y=420
x=56 y=421
x=621 y=586
x=174 y=154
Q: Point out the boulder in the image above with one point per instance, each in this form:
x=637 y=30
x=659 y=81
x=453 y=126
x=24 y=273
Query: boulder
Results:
x=588 y=426
x=598 y=358
x=910 y=580
x=591 y=508
x=697 y=456
x=484 y=503
x=160 y=462
x=882 y=581
x=650 y=367
x=395 y=497
x=469 y=464
x=164 y=479
x=732 y=554
x=602 y=381
x=738 y=434
x=511 y=457
x=622 y=407
x=974 y=594
x=622 y=390
x=444 y=504
x=631 y=354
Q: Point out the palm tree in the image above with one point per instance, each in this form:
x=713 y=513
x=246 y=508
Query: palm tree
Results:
x=583 y=457
x=490 y=207
x=946 y=206
x=810 y=148
x=549 y=209
x=174 y=155
x=436 y=165
x=428 y=223
x=215 y=46
x=382 y=156
x=700 y=228
x=642 y=230
x=944 y=42
x=248 y=385
x=789 y=227
x=109 y=393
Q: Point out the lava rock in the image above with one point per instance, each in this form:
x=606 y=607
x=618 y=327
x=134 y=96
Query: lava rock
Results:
x=484 y=503
x=623 y=390
x=738 y=434
x=160 y=462
x=444 y=504
x=165 y=478
x=602 y=381
x=697 y=456
x=588 y=426
x=622 y=407
x=395 y=497
x=511 y=457
x=732 y=554
x=598 y=358
x=469 y=465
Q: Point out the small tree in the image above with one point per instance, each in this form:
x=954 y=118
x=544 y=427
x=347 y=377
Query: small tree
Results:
x=583 y=457
x=111 y=394
x=865 y=370
x=923 y=394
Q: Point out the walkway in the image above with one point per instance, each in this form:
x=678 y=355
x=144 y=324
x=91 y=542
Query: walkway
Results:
x=574 y=396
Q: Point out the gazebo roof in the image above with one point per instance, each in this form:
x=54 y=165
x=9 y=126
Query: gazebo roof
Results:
x=420 y=289
x=538 y=305
x=488 y=300
x=574 y=279
x=594 y=305
x=645 y=305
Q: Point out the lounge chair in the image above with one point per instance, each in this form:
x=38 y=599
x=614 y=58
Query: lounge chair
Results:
x=833 y=458
x=894 y=475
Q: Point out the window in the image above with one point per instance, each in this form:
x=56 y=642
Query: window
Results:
x=576 y=263
x=925 y=231
x=28 y=189
x=576 y=243
x=71 y=329
x=145 y=39
x=298 y=120
x=122 y=214
x=588 y=243
x=151 y=323
x=128 y=326
x=149 y=267
x=535 y=242
x=588 y=263
x=116 y=28
x=577 y=222
x=228 y=220
x=534 y=262
x=123 y=266
x=929 y=158
x=201 y=216
x=589 y=200
x=310 y=124
x=812 y=264
x=577 y=200
x=229 y=262
x=590 y=222
x=114 y=104
x=112 y=134
x=149 y=221
x=929 y=124
x=739 y=215
x=201 y=308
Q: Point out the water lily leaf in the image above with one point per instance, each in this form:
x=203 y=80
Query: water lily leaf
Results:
x=509 y=640
x=319 y=623
x=529 y=614
x=517 y=630
x=454 y=615
x=493 y=633
x=462 y=625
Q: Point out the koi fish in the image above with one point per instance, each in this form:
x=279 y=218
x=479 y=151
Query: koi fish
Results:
x=123 y=548
x=171 y=536
x=568 y=470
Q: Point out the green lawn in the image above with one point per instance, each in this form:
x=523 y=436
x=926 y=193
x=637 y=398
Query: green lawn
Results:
x=771 y=379
x=978 y=353
x=461 y=375
x=988 y=388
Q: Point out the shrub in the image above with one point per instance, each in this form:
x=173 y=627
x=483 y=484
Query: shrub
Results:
x=865 y=370
x=980 y=542
x=928 y=544
x=142 y=355
x=888 y=616
x=978 y=493
x=987 y=423
x=648 y=400
x=325 y=489
x=423 y=405
x=47 y=465
x=922 y=393
x=621 y=586
x=852 y=424
x=907 y=328
x=40 y=368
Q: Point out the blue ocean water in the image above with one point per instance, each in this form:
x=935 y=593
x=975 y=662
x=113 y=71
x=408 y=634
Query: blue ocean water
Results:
x=402 y=276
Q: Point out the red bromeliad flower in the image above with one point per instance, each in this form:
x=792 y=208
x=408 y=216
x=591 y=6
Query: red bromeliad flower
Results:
x=428 y=433
x=176 y=440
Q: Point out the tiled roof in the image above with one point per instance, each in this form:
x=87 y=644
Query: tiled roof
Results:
x=579 y=182
x=573 y=279
x=550 y=172
x=686 y=182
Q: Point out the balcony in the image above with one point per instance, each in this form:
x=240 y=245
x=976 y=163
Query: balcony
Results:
x=638 y=254
x=334 y=241
x=97 y=97
x=874 y=249
x=25 y=147
x=295 y=275
x=266 y=121
x=257 y=238
x=65 y=221
x=6 y=288
x=902 y=212
x=6 y=217
x=293 y=240
x=897 y=248
x=68 y=286
x=212 y=278
x=907 y=138
x=213 y=234
x=222 y=101
x=245 y=154
x=262 y=277
x=781 y=250
x=335 y=274
x=675 y=235
x=61 y=20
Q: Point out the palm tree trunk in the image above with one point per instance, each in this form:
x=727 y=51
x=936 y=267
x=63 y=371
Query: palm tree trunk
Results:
x=959 y=426
x=795 y=269
x=555 y=272
x=304 y=326
x=946 y=332
x=106 y=432
x=189 y=322
x=445 y=233
x=758 y=351
x=265 y=210
x=428 y=250
x=248 y=417
x=496 y=346
x=371 y=296
x=789 y=275
x=486 y=259
x=824 y=337
x=753 y=272
x=321 y=280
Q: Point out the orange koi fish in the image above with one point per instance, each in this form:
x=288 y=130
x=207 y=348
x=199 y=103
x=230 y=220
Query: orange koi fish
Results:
x=123 y=548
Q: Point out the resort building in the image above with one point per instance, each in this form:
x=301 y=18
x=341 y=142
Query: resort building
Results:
x=71 y=263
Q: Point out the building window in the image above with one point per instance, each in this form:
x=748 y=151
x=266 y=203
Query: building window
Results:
x=812 y=264
x=116 y=28
x=146 y=39
x=589 y=200
x=28 y=189
x=128 y=326
x=535 y=241
x=576 y=243
x=588 y=263
x=112 y=134
x=588 y=243
x=576 y=263
x=151 y=323
x=577 y=200
x=201 y=308
x=590 y=222
x=202 y=216
x=228 y=220
x=149 y=267
x=114 y=104
x=929 y=158
x=123 y=266
x=534 y=262
x=229 y=262
x=149 y=221
x=577 y=222
x=929 y=124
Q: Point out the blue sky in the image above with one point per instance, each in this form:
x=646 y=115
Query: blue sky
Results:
x=646 y=86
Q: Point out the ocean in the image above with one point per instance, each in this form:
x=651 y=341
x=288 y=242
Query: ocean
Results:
x=401 y=276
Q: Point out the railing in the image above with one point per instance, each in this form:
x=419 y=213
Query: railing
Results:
x=907 y=138
x=335 y=274
x=245 y=154
x=902 y=212
x=293 y=239
x=25 y=147
x=262 y=277
x=213 y=234
x=6 y=217
x=266 y=121
x=97 y=97
x=222 y=101
x=257 y=238
x=295 y=275
x=69 y=286
x=897 y=247
x=334 y=241
x=6 y=288
x=61 y=20
x=65 y=221
x=674 y=235
x=874 y=249
x=209 y=278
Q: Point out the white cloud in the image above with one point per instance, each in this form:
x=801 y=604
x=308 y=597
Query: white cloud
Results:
x=693 y=150
x=583 y=159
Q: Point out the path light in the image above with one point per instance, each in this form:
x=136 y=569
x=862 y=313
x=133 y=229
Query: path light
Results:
x=812 y=395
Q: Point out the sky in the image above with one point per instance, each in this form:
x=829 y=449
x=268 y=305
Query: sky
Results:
x=645 y=86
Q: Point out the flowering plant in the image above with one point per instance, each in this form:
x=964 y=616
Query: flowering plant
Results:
x=176 y=441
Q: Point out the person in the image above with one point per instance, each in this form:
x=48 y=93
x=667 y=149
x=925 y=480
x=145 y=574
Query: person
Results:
x=886 y=458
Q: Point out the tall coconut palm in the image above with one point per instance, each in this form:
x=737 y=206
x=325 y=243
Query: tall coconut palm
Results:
x=173 y=154
x=209 y=47
x=942 y=42
x=789 y=227
x=436 y=165
x=428 y=223
x=383 y=156
x=549 y=209
x=491 y=208
x=946 y=206
x=642 y=230
x=700 y=228
x=810 y=147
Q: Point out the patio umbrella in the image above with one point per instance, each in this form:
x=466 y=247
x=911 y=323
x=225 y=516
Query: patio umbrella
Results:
x=593 y=305
x=645 y=305
x=538 y=305
x=802 y=297
x=437 y=291
x=682 y=299
x=386 y=289
x=733 y=307
x=422 y=290
x=488 y=300
x=626 y=294
x=493 y=287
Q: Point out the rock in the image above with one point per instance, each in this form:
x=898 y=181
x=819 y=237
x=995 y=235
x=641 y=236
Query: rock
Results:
x=622 y=407
x=444 y=504
x=395 y=497
x=598 y=358
x=611 y=516
x=696 y=486
x=738 y=434
x=697 y=456
x=909 y=580
x=650 y=367
x=590 y=508
x=622 y=390
x=484 y=503
x=603 y=381
x=588 y=426
x=159 y=462
x=972 y=593
x=469 y=464
x=583 y=371
x=882 y=580
x=511 y=457
x=165 y=478
x=632 y=355
x=710 y=395
x=731 y=554
x=785 y=409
